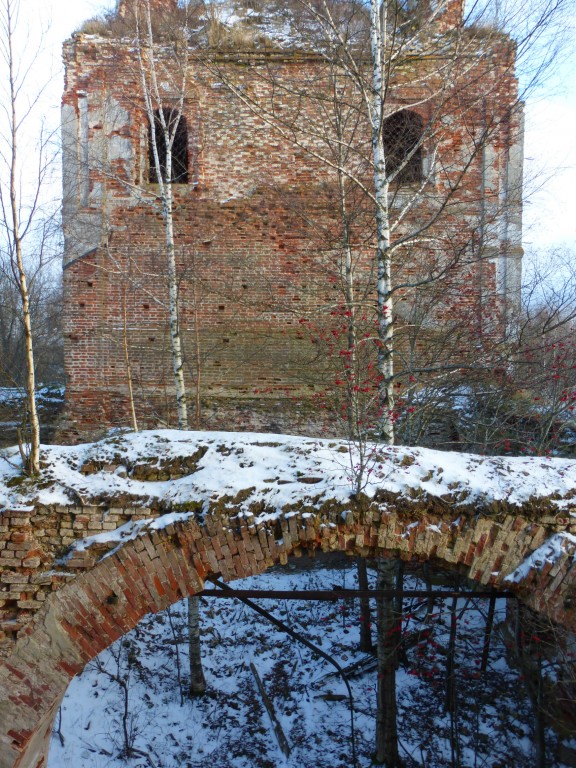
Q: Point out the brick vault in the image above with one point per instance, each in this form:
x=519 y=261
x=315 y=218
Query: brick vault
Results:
x=69 y=587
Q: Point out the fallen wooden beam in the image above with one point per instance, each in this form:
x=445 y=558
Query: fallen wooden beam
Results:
x=280 y=735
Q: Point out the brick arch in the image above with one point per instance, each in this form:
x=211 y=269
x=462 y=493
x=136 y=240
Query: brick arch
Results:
x=162 y=565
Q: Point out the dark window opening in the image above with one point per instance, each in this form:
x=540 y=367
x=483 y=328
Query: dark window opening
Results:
x=402 y=136
x=177 y=128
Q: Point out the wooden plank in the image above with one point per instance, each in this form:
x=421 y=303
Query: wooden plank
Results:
x=278 y=731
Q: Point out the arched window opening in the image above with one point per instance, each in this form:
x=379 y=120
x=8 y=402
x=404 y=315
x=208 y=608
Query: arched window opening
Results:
x=402 y=137
x=176 y=125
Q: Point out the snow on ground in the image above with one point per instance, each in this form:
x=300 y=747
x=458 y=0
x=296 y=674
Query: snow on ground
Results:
x=14 y=395
x=229 y=728
x=281 y=470
x=49 y=400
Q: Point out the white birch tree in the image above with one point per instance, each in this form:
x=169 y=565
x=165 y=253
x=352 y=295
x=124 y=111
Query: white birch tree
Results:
x=24 y=222
x=164 y=121
x=395 y=58
x=159 y=71
x=163 y=124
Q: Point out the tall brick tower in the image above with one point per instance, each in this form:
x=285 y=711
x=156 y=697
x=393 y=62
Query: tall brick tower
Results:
x=259 y=236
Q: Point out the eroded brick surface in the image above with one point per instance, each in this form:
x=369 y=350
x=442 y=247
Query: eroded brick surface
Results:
x=257 y=232
x=61 y=607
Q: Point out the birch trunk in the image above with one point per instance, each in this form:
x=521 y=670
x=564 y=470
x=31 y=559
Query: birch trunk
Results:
x=388 y=640
x=32 y=453
x=197 y=679
x=365 y=613
x=154 y=105
x=174 y=310
x=387 y=621
x=383 y=256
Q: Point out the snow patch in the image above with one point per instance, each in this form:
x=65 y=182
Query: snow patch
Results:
x=551 y=551
x=277 y=471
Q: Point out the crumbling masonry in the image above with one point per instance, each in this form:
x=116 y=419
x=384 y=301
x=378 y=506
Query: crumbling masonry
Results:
x=257 y=228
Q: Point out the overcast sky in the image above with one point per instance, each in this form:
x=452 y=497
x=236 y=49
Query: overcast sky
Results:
x=550 y=142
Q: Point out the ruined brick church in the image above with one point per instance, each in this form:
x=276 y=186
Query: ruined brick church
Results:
x=274 y=215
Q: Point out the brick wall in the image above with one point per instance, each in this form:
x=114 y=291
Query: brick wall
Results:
x=257 y=231
x=38 y=557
